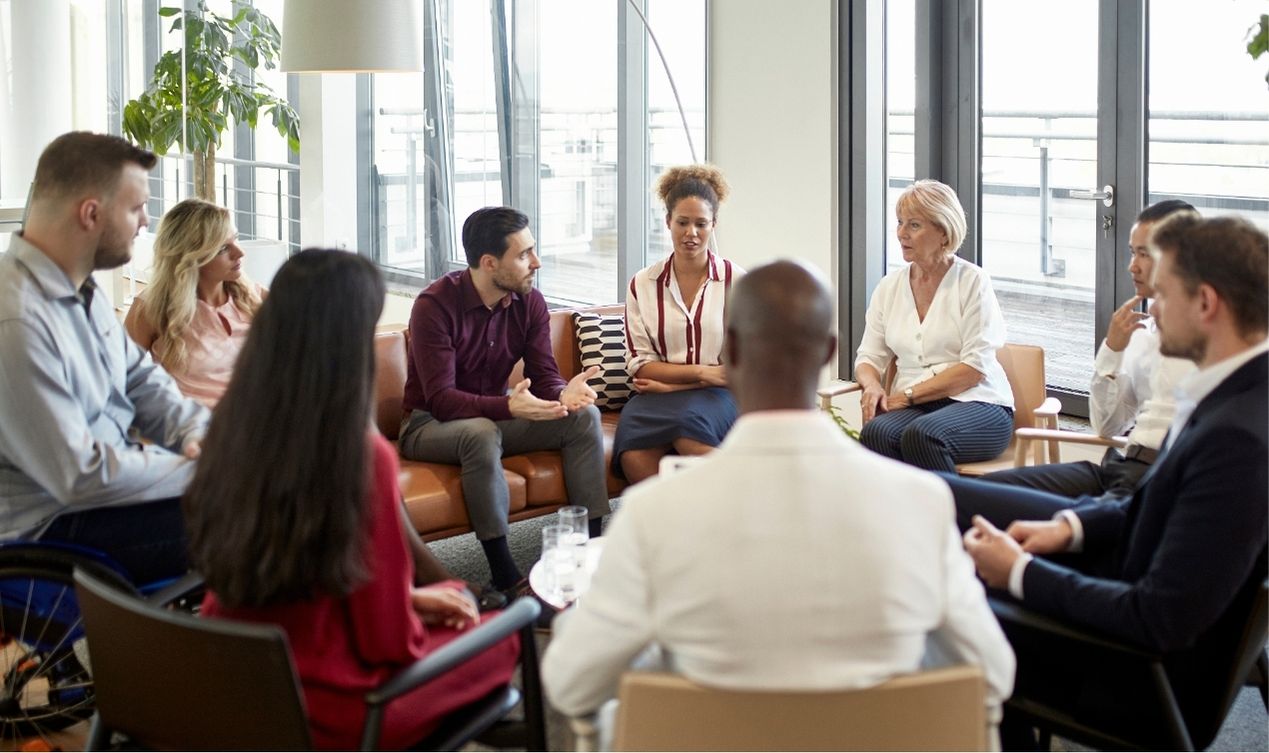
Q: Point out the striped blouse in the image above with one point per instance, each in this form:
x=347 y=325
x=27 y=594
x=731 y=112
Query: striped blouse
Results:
x=661 y=326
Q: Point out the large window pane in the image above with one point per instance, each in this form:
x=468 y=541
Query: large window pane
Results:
x=1209 y=123
x=1039 y=128
x=577 y=180
x=900 y=111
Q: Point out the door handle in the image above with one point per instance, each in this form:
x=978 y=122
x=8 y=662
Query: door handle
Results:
x=1106 y=196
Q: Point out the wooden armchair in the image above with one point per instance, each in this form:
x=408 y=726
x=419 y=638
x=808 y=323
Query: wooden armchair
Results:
x=1034 y=410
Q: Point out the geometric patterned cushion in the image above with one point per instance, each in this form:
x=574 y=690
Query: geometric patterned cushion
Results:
x=601 y=341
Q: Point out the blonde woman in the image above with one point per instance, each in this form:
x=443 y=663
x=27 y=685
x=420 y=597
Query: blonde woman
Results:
x=194 y=315
x=950 y=401
x=674 y=334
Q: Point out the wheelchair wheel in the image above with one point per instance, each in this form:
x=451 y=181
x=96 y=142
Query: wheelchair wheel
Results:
x=45 y=675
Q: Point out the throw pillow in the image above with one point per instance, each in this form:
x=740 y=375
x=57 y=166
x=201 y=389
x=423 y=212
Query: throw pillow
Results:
x=601 y=341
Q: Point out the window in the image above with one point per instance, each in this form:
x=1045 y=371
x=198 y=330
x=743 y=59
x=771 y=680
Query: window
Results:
x=523 y=106
x=1208 y=143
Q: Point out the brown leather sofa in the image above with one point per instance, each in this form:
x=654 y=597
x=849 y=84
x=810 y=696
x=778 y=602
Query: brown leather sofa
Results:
x=433 y=491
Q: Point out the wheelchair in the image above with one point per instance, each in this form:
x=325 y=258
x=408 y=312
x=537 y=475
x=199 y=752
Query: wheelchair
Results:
x=45 y=672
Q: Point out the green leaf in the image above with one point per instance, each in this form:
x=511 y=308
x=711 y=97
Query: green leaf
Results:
x=1258 y=37
x=165 y=12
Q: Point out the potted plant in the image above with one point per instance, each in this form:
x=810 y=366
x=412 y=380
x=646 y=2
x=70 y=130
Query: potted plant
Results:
x=213 y=94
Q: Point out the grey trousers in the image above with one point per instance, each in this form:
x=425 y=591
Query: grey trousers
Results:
x=479 y=444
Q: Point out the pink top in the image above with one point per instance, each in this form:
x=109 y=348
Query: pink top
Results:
x=212 y=341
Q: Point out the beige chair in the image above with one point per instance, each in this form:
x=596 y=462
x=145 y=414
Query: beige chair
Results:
x=1033 y=408
x=941 y=709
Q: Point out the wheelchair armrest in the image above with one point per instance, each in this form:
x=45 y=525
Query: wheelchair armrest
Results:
x=184 y=586
x=1012 y=613
x=522 y=612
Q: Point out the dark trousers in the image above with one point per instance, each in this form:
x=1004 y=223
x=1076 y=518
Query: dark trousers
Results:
x=147 y=539
x=1115 y=475
x=939 y=434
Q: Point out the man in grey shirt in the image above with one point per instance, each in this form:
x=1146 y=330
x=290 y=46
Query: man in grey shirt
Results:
x=77 y=396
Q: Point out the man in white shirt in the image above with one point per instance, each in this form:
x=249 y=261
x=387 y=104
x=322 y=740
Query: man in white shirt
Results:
x=1175 y=566
x=1132 y=388
x=852 y=569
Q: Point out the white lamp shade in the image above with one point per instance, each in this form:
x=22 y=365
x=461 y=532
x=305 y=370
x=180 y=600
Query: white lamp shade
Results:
x=355 y=36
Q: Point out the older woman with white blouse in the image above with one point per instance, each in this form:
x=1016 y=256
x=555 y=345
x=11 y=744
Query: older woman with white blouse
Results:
x=675 y=333
x=938 y=319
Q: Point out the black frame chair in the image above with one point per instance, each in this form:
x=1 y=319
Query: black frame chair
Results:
x=172 y=681
x=1246 y=655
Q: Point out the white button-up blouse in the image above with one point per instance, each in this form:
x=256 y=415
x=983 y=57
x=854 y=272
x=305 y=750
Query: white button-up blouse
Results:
x=964 y=325
x=661 y=326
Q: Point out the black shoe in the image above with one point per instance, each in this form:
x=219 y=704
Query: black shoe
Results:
x=488 y=598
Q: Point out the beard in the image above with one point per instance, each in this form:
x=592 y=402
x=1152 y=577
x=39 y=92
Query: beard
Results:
x=1192 y=349
x=113 y=250
x=507 y=282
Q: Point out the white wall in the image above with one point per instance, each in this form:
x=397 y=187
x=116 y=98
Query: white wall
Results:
x=773 y=128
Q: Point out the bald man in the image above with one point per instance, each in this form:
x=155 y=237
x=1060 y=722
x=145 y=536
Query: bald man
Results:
x=791 y=558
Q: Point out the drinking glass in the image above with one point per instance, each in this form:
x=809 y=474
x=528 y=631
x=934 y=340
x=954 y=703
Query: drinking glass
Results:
x=559 y=563
x=574 y=517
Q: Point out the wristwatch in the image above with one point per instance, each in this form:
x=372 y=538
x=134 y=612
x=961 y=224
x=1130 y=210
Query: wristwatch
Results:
x=908 y=394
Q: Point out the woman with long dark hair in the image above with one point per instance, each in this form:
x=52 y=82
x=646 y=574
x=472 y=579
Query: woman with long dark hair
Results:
x=293 y=514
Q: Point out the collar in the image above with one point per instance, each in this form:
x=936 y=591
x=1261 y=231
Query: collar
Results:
x=471 y=297
x=785 y=431
x=1200 y=384
x=711 y=268
x=49 y=277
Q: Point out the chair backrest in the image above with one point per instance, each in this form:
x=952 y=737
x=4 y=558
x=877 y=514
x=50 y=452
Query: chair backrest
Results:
x=171 y=681
x=940 y=709
x=1024 y=368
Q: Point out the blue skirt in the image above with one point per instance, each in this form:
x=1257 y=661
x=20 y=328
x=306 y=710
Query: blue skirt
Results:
x=656 y=420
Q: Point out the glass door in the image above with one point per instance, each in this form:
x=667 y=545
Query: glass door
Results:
x=1044 y=210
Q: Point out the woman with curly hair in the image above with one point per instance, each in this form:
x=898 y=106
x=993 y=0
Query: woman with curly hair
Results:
x=194 y=315
x=674 y=334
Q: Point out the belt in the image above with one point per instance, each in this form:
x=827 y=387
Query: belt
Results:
x=1140 y=453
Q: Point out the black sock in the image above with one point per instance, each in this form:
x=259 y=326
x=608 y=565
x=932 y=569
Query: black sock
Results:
x=596 y=527
x=501 y=565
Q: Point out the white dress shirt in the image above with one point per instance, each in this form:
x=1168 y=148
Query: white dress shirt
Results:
x=661 y=326
x=1133 y=388
x=962 y=325
x=73 y=386
x=791 y=558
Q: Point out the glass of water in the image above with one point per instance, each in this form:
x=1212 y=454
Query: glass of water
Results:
x=560 y=563
x=573 y=517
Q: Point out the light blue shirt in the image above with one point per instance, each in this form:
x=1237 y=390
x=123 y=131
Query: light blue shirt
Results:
x=76 y=395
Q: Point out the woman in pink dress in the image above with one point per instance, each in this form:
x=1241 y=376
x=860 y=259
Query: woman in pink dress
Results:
x=194 y=314
x=294 y=513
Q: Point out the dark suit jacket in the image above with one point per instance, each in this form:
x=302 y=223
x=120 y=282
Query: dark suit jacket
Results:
x=1188 y=549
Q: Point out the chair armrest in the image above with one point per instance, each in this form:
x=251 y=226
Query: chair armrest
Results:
x=522 y=612
x=1012 y=613
x=828 y=392
x=1058 y=435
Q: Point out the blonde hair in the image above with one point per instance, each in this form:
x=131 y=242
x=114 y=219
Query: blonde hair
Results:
x=705 y=182
x=939 y=203
x=190 y=235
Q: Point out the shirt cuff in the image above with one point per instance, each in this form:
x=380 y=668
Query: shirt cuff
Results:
x=1107 y=361
x=1077 y=529
x=1015 y=575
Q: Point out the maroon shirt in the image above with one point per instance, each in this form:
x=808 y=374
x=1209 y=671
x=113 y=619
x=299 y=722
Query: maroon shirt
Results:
x=462 y=352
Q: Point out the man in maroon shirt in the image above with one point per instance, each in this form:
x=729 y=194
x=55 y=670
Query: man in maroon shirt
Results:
x=468 y=329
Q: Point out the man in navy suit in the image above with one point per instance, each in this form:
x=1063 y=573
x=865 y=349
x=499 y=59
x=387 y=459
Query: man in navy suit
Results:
x=1173 y=567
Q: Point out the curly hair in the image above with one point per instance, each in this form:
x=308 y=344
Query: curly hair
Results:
x=704 y=182
x=190 y=235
